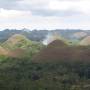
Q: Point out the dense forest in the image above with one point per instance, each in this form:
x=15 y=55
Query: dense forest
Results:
x=22 y=74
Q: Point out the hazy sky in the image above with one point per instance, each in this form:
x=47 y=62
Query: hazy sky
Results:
x=45 y=14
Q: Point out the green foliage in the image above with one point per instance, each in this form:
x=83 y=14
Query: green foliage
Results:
x=22 y=74
x=73 y=42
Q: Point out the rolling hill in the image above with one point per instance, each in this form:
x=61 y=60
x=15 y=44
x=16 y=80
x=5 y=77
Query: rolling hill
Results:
x=57 y=66
x=85 y=41
x=3 y=51
x=58 y=51
x=80 y=35
x=16 y=41
x=39 y=35
x=56 y=43
x=17 y=53
x=18 y=46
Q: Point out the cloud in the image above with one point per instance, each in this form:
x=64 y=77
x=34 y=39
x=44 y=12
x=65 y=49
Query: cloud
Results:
x=9 y=4
x=49 y=22
x=55 y=7
x=4 y=13
x=43 y=14
x=80 y=5
x=58 y=13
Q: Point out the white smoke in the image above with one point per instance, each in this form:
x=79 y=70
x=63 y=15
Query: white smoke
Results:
x=51 y=37
x=46 y=40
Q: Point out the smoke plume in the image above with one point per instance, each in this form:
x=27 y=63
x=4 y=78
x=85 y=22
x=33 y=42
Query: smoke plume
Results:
x=51 y=37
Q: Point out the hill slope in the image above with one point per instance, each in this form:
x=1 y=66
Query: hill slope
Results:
x=85 y=41
x=57 y=43
x=16 y=41
x=58 y=52
x=19 y=46
x=3 y=51
x=80 y=35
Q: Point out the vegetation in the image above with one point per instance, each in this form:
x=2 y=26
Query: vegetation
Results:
x=17 y=41
x=22 y=74
x=25 y=74
x=19 y=46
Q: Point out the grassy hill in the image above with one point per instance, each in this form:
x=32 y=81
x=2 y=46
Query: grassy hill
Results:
x=3 y=51
x=85 y=41
x=16 y=41
x=19 y=46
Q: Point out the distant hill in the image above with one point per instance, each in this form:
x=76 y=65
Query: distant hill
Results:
x=16 y=41
x=85 y=41
x=80 y=35
x=19 y=46
x=40 y=35
x=35 y=35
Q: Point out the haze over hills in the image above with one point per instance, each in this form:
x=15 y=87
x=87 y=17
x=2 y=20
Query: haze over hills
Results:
x=40 y=35
x=80 y=35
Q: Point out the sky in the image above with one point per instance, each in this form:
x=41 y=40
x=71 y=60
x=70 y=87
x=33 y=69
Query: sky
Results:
x=45 y=14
